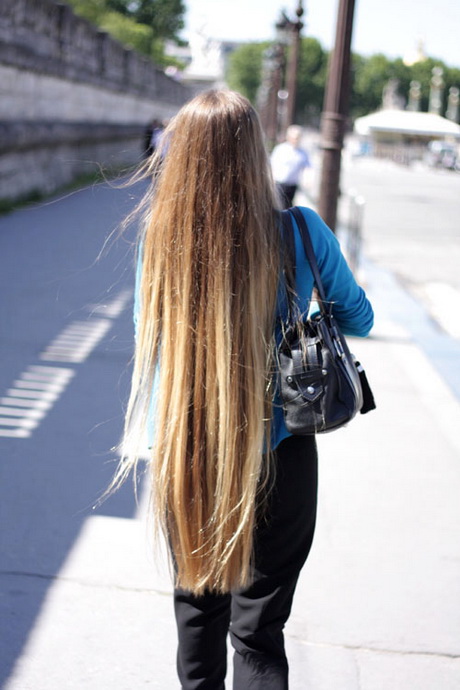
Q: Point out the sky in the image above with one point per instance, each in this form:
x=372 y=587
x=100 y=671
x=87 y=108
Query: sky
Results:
x=392 y=27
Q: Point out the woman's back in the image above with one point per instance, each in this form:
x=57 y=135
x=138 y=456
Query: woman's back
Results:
x=233 y=491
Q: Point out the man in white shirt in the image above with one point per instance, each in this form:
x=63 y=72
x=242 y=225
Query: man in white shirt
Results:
x=288 y=162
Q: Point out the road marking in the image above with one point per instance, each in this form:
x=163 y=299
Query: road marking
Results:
x=114 y=308
x=22 y=409
x=18 y=393
x=39 y=404
x=35 y=391
x=19 y=412
x=77 y=341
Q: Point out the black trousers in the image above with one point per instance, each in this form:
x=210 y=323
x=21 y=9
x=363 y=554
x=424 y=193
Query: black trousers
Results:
x=255 y=617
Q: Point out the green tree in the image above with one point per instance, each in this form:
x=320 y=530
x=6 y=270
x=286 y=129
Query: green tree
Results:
x=245 y=69
x=165 y=17
x=369 y=76
x=245 y=75
x=142 y=25
x=128 y=32
x=311 y=80
x=423 y=72
x=92 y=10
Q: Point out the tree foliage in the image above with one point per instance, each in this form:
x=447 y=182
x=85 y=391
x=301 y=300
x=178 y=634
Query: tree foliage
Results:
x=245 y=69
x=247 y=64
x=143 y=25
x=92 y=10
x=128 y=32
x=371 y=74
x=311 y=81
x=368 y=79
x=164 y=17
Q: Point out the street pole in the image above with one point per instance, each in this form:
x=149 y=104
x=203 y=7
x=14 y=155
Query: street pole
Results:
x=335 y=113
x=275 y=86
x=293 y=64
x=277 y=105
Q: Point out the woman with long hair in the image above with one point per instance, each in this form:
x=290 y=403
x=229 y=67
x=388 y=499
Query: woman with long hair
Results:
x=233 y=492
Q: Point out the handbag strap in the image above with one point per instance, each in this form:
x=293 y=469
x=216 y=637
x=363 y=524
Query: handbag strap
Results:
x=309 y=251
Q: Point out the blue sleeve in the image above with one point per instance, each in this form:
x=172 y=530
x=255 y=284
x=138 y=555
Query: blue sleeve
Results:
x=150 y=427
x=137 y=300
x=351 y=307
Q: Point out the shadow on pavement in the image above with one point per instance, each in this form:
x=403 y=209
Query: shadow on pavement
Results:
x=50 y=276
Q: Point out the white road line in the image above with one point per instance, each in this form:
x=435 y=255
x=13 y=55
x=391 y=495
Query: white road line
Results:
x=39 y=385
x=32 y=395
x=15 y=433
x=19 y=402
x=19 y=412
x=114 y=308
x=36 y=390
x=34 y=375
x=23 y=423
x=76 y=341
x=42 y=370
x=30 y=398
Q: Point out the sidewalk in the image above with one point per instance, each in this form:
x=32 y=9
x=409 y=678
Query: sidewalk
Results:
x=378 y=603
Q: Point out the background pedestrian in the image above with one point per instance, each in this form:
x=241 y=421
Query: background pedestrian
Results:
x=289 y=161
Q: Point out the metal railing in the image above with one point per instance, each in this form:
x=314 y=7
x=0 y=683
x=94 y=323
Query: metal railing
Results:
x=353 y=226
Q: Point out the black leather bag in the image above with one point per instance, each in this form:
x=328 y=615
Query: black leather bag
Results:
x=321 y=384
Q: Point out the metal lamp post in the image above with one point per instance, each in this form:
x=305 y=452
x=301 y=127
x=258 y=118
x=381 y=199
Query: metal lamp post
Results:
x=277 y=60
x=293 y=64
x=278 y=106
x=335 y=114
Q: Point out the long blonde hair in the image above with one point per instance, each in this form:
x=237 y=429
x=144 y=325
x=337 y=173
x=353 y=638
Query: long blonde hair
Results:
x=210 y=271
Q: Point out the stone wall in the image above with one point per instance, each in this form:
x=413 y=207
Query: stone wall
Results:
x=71 y=98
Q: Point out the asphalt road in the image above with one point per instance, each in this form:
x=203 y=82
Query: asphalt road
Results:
x=411 y=218
x=62 y=266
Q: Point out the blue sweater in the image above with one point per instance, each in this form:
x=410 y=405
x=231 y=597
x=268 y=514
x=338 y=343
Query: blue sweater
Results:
x=351 y=308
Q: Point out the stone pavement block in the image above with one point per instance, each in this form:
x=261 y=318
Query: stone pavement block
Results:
x=383 y=572
x=321 y=667
x=107 y=620
x=313 y=667
x=95 y=638
x=117 y=552
x=385 y=671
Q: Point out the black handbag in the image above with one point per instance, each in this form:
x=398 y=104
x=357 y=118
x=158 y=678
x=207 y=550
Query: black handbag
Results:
x=322 y=386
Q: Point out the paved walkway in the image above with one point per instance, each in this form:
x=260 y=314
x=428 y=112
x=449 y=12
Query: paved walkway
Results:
x=378 y=603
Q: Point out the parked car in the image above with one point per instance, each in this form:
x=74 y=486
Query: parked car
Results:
x=442 y=154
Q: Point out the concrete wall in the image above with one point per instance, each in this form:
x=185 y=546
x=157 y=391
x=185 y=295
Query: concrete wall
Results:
x=70 y=98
